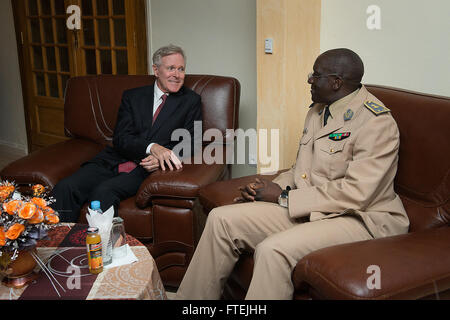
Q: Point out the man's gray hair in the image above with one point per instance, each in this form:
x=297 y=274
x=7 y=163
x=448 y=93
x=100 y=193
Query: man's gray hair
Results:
x=167 y=51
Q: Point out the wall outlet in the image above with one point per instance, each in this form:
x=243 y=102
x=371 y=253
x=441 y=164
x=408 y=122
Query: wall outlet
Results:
x=268 y=45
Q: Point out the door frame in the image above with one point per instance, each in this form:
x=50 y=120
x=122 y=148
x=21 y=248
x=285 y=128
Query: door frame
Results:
x=18 y=22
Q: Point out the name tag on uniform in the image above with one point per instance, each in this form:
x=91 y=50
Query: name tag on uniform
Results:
x=339 y=136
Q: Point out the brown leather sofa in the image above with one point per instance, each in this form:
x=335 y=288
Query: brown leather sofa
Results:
x=162 y=214
x=415 y=265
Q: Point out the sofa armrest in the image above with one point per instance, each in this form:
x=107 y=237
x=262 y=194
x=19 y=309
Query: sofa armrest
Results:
x=412 y=266
x=49 y=165
x=222 y=193
x=181 y=184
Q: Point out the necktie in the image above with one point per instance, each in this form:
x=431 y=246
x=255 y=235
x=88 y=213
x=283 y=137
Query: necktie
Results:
x=326 y=115
x=127 y=166
x=164 y=98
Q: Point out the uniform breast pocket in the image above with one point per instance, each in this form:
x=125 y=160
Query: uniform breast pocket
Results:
x=305 y=139
x=330 y=159
x=303 y=145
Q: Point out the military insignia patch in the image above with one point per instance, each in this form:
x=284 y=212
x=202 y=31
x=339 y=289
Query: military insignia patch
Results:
x=375 y=107
x=339 y=136
x=348 y=115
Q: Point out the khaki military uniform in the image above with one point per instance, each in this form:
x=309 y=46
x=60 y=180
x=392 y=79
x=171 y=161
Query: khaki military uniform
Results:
x=342 y=191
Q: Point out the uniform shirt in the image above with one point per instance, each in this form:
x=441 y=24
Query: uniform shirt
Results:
x=348 y=166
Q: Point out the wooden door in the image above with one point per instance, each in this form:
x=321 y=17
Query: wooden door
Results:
x=112 y=40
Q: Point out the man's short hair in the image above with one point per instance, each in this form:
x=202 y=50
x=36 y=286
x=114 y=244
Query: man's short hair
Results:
x=346 y=63
x=167 y=51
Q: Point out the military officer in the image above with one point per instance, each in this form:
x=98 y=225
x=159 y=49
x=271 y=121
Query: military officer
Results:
x=340 y=190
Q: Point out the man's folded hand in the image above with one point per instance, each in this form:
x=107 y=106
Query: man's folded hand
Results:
x=259 y=190
x=150 y=163
x=165 y=157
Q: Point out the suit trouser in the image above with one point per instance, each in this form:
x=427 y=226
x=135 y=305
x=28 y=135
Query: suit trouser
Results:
x=94 y=182
x=278 y=243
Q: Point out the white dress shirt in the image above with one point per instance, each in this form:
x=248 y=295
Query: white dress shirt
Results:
x=157 y=100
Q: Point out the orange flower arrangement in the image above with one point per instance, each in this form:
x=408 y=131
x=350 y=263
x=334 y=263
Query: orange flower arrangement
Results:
x=12 y=206
x=23 y=219
x=15 y=231
x=6 y=190
x=38 y=217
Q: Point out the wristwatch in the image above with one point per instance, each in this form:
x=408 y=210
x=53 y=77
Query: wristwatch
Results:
x=284 y=197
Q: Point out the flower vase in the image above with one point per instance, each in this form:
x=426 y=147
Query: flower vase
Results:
x=20 y=272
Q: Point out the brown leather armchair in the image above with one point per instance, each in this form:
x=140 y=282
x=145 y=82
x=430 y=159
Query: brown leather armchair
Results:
x=162 y=214
x=415 y=265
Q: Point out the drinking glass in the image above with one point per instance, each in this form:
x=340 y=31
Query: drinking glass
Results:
x=119 y=239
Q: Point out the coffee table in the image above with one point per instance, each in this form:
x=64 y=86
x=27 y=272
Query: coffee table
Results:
x=67 y=275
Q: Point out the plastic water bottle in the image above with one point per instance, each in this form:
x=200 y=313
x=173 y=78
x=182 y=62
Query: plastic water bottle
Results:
x=107 y=244
x=95 y=206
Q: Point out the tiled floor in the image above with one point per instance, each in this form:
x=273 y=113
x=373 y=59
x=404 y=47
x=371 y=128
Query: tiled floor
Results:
x=8 y=155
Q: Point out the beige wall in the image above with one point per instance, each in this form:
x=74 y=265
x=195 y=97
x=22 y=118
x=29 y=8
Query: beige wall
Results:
x=411 y=50
x=283 y=91
x=12 y=120
x=219 y=37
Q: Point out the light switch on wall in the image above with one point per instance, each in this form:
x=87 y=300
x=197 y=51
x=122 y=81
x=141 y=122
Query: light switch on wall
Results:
x=268 y=45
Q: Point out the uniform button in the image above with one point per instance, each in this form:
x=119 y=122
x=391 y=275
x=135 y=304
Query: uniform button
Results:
x=331 y=150
x=304 y=176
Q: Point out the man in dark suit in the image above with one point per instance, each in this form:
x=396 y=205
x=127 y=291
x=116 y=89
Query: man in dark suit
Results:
x=142 y=140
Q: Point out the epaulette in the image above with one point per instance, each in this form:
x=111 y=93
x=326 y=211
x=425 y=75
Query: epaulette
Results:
x=375 y=107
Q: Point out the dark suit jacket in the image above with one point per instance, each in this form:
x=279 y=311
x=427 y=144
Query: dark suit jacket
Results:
x=134 y=130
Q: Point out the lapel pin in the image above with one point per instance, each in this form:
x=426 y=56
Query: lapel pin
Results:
x=348 y=115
